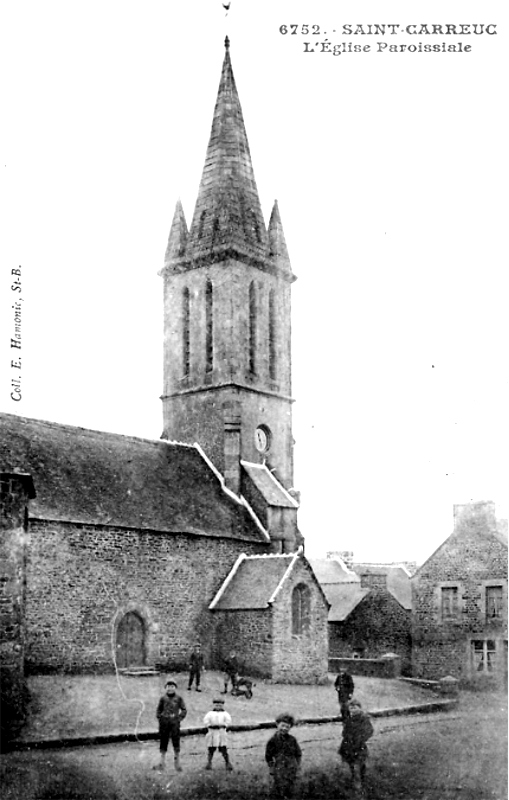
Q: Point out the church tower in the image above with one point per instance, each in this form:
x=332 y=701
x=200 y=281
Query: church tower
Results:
x=227 y=332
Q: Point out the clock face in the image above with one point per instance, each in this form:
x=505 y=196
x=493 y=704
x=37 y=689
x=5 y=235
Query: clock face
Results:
x=262 y=439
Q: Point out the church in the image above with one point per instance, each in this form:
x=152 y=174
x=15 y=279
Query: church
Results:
x=120 y=552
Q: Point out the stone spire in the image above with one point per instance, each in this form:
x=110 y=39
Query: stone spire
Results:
x=177 y=239
x=227 y=218
x=277 y=242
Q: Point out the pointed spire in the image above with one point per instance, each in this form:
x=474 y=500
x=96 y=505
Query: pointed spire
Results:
x=177 y=239
x=277 y=242
x=228 y=214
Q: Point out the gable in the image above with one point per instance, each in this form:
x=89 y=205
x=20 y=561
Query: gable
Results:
x=343 y=599
x=100 y=478
x=466 y=551
x=255 y=581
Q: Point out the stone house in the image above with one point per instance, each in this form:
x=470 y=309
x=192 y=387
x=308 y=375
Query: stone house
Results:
x=114 y=547
x=275 y=603
x=459 y=615
x=370 y=609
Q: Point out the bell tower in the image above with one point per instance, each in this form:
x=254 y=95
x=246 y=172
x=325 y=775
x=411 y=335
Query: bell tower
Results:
x=227 y=332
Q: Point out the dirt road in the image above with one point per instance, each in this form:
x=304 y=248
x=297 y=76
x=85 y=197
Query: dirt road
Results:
x=461 y=754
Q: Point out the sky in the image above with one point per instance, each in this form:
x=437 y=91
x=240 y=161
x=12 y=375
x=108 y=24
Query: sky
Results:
x=390 y=171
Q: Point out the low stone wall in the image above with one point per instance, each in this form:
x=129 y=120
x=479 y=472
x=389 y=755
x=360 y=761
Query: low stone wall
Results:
x=385 y=667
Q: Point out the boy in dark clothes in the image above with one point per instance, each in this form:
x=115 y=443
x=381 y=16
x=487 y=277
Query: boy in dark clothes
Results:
x=344 y=686
x=171 y=710
x=231 y=671
x=195 y=667
x=283 y=755
x=357 y=729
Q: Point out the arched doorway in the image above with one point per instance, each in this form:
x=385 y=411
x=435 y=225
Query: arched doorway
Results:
x=131 y=641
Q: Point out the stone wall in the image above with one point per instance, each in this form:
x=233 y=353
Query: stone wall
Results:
x=302 y=658
x=388 y=667
x=14 y=496
x=249 y=634
x=82 y=579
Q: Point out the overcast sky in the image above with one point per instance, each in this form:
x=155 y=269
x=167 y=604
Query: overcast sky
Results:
x=390 y=170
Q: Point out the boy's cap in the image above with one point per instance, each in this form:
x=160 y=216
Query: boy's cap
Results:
x=171 y=682
x=218 y=700
x=355 y=703
x=288 y=718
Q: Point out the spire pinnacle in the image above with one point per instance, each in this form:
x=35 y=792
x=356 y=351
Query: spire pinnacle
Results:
x=228 y=213
x=227 y=43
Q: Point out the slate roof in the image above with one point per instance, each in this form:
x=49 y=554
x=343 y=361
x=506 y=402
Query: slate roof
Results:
x=343 y=598
x=332 y=570
x=228 y=219
x=271 y=490
x=252 y=582
x=398 y=580
x=95 y=477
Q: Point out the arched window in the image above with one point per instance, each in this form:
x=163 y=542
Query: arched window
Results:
x=201 y=224
x=272 y=336
x=186 y=333
x=252 y=327
x=209 y=327
x=301 y=609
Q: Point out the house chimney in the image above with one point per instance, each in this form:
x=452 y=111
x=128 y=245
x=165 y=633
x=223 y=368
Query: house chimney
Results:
x=232 y=426
x=475 y=515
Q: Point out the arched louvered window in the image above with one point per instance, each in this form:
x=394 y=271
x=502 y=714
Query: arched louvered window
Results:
x=301 y=609
x=186 y=332
x=252 y=327
x=201 y=224
x=209 y=327
x=272 y=336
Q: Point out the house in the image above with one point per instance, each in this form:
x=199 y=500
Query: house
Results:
x=114 y=547
x=459 y=602
x=370 y=609
x=267 y=602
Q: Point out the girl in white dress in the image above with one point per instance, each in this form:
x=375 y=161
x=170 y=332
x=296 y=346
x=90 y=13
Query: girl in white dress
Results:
x=217 y=722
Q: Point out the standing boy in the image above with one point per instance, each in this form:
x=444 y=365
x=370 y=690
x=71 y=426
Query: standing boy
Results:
x=283 y=755
x=217 y=722
x=344 y=686
x=171 y=710
x=357 y=729
x=231 y=671
x=195 y=667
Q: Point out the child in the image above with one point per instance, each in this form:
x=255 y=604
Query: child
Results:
x=217 y=722
x=171 y=710
x=195 y=667
x=344 y=686
x=231 y=671
x=283 y=755
x=357 y=729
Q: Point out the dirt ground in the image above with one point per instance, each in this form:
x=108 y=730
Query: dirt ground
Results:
x=81 y=705
x=459 y=754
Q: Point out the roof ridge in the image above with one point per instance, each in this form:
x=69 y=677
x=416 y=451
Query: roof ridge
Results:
x=68 y=426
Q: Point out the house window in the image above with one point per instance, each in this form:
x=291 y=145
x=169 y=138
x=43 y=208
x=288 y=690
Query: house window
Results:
x=272 y=336
x=301 y=610
x=252 y=328
x=209 y=327
x=494 y=602
x=186 y=339
x=449 y=602
x=484 y=654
